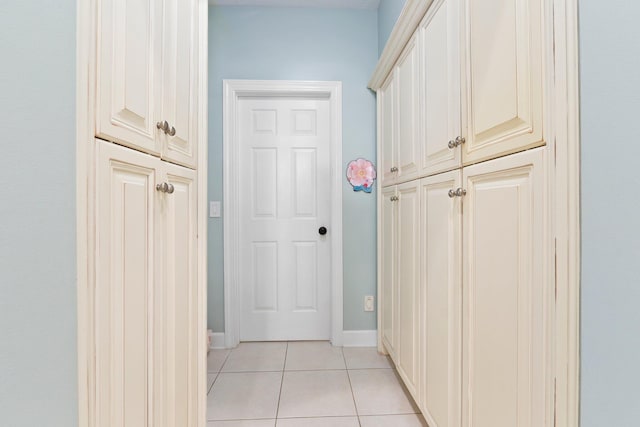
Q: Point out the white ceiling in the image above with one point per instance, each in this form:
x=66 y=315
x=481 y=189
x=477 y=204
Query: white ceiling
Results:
x=343 y=4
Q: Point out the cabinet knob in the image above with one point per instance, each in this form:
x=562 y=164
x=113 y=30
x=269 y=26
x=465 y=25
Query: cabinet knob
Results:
x=163 y=188
x=172 y=131
x=455 y=142
x=163 y=126
x=457 y=193
x=393 y=169
x=170 y=188
x=394 y=198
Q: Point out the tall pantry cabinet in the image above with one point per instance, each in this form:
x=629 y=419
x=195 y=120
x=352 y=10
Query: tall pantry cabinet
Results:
x=465 y=290
x=145 y=327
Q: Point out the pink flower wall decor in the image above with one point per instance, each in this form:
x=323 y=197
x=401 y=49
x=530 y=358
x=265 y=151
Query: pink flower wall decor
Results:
x=361 y=173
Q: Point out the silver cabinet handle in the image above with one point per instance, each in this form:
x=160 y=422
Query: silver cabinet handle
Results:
x=394 y=198
x=170 y=188
x=455 y=142
x=393 y=169
x=460 y=192
x=163 y=126
x=172 y=131
x=164 y=187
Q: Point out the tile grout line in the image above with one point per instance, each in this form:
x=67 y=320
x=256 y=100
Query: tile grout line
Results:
x=284 y=365
x=214 y=382
x=351 y=387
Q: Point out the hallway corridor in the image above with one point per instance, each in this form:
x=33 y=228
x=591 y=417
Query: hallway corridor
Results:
x=300 y=384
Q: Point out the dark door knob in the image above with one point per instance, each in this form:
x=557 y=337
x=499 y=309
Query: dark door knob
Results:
x=322 y=231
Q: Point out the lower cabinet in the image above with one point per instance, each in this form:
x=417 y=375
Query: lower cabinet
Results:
x=465 y=256
x=145 y=296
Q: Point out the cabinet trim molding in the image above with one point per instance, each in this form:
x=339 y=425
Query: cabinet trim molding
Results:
x=86 y=66
x=408 y=21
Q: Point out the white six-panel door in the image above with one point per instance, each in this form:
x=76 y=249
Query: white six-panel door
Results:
x=285 y=287
x=440 y=299
x=127 y=301
x=506 y=294
x=129 y=73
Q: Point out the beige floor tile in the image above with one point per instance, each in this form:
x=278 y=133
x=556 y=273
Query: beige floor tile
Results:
x=365 y=358
x=210 y=379
x=242 y=396
x=313 y=355
x=316 y=394
x=319 y=422
x=215 y=360
x=412 y=420
x=255 y=357
x=379 y=392
x=242 y=423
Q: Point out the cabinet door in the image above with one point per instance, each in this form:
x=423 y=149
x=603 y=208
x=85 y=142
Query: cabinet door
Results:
x=180 y=81
x=126 y=297
x=440 y=52
x=388 y=290
x=408 y=156
x=506 y=294
x=440 y=299
x=180 y=308
x=408 y=284
x=387 y=103
x=504 y=77
x=128 y=73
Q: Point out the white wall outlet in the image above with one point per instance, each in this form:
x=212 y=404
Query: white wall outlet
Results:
x=214 y=209
x=368 y=303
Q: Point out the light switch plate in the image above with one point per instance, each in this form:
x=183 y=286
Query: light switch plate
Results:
x=368 y=303
x=214 y=209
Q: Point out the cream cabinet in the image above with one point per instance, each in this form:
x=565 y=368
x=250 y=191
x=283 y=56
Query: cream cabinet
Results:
x=146 y=290
x=388 y=311
x=147 y=68
x=407 y=141
x=387 y=116
x=440 y=299
x=503 y=86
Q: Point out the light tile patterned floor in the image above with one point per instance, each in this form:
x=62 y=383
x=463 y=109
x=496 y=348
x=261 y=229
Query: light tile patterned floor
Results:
x=306 y=384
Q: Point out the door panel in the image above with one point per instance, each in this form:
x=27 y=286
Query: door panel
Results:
x=504 y=77
x=389 y=294
x=505 y=371
x=180 y=308
x=440 y=299
x=440 y=53
x=285 y=287
x=408 y=155
x=180 y=81
x=408 y=284
x=125 y=301
x=387 y=103
x=128 y=73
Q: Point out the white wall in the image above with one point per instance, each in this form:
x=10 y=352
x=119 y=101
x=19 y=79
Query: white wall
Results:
x=37 y=214
x=302 y=44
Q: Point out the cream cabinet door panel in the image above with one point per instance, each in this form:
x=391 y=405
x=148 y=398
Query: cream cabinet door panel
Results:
x=440 y=299
x=126 y=304
x=408 y=277
x=440 y=92
x=504 y=77
x=128 y=73
x=388 y=290
x=408 y=130
x=387 y=103
x=180 y=78
x=506 y=294
x=180 y=308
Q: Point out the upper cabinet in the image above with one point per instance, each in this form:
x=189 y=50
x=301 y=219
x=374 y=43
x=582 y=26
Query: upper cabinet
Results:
x=386 y=130
x=503 y=81
x=440 y=90
x=147 y=76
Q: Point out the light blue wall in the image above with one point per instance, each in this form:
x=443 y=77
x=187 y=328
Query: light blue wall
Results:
x=302 y=44
x=388 y=14
x=610 y=103
x=37 y=214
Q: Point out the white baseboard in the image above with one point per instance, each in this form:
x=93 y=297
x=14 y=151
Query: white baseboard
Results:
x=360 y=338
x=217 y=340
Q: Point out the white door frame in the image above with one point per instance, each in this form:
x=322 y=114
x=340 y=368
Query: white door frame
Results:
x=233 y=91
